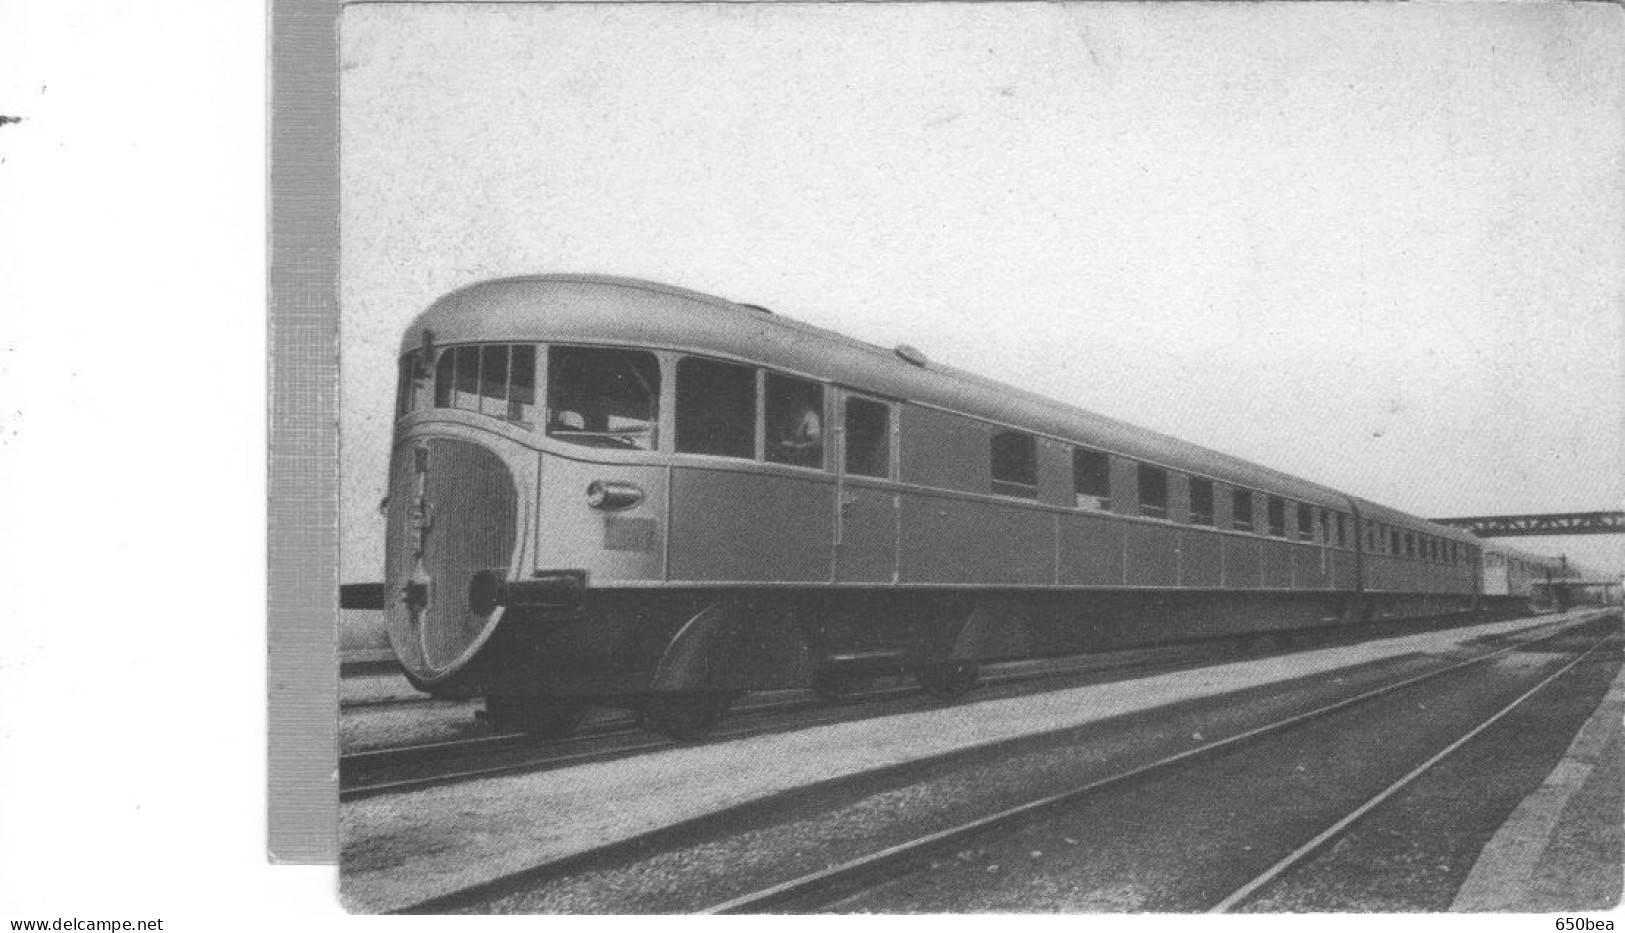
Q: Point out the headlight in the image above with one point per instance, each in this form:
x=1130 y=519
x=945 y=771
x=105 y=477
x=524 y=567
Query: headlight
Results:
x=610 y=495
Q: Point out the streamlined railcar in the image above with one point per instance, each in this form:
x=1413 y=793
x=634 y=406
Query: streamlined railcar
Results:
x=607 y=491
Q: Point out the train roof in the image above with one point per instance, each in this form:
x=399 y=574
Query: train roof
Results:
x=1388 y=516
x=598 y=309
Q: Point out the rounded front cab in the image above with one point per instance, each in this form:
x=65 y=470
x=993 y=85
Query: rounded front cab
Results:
x=453 y=518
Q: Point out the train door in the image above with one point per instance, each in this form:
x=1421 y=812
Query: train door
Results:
x=866 y=520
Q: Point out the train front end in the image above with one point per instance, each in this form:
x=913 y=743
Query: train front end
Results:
x=498 y=516
x=456 y=506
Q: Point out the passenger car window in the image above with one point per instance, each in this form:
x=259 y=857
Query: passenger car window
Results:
x=716 y=408
x=1091 y=479
x=794 y=413
x=1015 y=464
x=1306 y=523
x=1242 y=509
x=599 y=397
x=1201 y=501
x=1153 y=491
x=1277 y=507
x=868 y=438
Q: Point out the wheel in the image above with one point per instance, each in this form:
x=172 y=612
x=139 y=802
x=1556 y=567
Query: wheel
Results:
x=542 y=718
x=830 y=686
x=686 y=717
x=948 y=681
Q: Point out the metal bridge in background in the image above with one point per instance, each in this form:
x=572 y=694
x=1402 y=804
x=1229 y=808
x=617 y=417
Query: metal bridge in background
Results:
x=1556 y=523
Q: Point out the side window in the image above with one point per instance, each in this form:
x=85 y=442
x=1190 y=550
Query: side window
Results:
x=1201 y=501
x=716 y=408
x=1153 y=491
x=868 y=438
x=1015 y=464
x=599 y=397
x=1337 y=518
x=1306 y=523
x=1277 y=508
x=1395 y=543
x=1243 y=509
x=1092 y=479
x=794 y=413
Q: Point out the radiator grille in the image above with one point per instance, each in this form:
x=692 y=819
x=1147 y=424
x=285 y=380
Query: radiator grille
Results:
x=452 y=513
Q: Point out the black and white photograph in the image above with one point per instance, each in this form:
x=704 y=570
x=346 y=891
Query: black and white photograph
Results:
x=964 y=458
x=891 y=464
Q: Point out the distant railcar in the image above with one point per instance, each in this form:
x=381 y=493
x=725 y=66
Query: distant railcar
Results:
x=606 y=491
x=1515 y=577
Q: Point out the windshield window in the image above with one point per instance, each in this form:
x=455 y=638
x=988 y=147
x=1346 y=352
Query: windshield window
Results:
x=599 y=397
x=496 y=379
x=413 y=383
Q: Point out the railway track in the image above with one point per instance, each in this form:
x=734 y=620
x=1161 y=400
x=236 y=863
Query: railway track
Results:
x=840 y=886
x=1246 y=893
x=399 y=769
x=664 y=861
x=413 y=767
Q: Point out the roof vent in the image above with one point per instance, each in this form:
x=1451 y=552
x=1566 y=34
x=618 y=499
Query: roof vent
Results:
x=911 y=355
x=756 y=308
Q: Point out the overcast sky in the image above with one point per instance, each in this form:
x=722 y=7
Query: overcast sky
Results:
x=1378 y=246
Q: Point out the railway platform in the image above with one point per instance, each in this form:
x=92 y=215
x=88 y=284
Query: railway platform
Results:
x=1561 y=849
x=460 y=836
